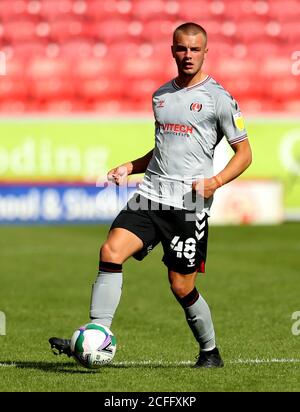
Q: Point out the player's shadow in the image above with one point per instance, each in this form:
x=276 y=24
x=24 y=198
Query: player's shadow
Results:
x=72 y=368
x=51 y=367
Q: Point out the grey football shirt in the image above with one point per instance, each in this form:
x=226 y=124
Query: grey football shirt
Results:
x=189 y=123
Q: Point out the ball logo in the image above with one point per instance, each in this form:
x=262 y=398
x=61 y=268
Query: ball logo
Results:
x=196 y=107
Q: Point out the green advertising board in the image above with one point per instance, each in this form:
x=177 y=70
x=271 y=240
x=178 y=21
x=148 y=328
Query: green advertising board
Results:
x=85 y=149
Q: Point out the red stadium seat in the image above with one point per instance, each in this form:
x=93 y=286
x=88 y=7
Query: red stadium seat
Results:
x=76 y=49
x=107 y=9
x=53 y=9
x=101 y=89
x=29 y=49
x=149 y=68
x=14 y=107
x=217 y=49
x=45 y=90
x=275 y=67
x=194 y=10
x=246 y=9
x=59 y=105
x=19 y=31
x=158 y=30
x=94 y=68
x=11 y=89
x=109 y=31
x=141 y=90
x=12 y=9
x=108 y=106
x=284 y=10
x=290 y=31
x=263 y=48
x=46 y=68
x=251 y=30
x=67 y=30
x=15 y=68
x=124 y=48
x=147 y=10
x=231 y=68
x=285 y=89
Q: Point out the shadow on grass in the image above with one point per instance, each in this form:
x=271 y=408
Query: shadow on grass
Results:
x=72 y=368
x=66 y=367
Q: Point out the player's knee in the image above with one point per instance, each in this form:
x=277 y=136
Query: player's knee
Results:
x=109 y=253
x=180 y=289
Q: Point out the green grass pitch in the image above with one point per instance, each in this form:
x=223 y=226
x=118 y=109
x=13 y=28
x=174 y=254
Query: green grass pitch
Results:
x=252 y=286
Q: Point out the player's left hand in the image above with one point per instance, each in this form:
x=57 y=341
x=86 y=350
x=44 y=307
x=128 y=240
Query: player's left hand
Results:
x=205 y=187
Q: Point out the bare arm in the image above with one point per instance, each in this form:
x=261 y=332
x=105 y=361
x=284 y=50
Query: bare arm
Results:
x=120 y=173
x=240 y=161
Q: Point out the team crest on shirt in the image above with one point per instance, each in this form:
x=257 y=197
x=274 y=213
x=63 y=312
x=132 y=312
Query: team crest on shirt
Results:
x=195 y=107
x=161 y=103
x=239 y=121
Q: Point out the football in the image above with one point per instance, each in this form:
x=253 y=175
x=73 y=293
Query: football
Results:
x=93 y=345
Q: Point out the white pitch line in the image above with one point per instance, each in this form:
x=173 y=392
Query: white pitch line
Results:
x=8 y=365
x=187 y=363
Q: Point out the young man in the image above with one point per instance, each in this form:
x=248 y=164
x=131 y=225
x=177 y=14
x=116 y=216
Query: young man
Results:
x=192 y=113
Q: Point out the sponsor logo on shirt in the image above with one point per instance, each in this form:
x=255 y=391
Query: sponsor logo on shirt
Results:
x=177 y=129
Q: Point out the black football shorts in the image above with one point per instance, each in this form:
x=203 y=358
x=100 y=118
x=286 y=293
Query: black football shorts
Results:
x=183 y=234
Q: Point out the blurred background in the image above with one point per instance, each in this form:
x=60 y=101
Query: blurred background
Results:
x=76 y=79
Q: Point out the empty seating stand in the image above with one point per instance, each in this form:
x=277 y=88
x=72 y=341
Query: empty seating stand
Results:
x=110 y=55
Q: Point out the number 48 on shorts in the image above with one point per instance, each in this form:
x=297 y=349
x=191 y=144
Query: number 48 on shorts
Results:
x=185 y=248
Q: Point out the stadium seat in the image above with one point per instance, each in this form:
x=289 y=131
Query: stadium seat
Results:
x=141 y=90
x=94 y=68
x=52 y=88
x=109 y=31
x=76 y=49
x=107 y=9
x=31 y=48
x=290 y=32
x=53 y=9
x=123 y=48
x=284 y=10
x=246 y=9
x=61 y=106
x=64 y=30
x=194 y=10
x=263 y=48
x=15 y=68
x=145 y=68
x=158 y=30
x=251 y=30
x=46 y=68
x=275 y=67
x=147 y=10
x=13 y=89
x=12 y=9
x=287 y=88
x=232 y=68
x=19 y=31
x=101 y=89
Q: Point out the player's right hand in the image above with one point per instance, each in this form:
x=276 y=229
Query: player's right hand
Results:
x=118 y=175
